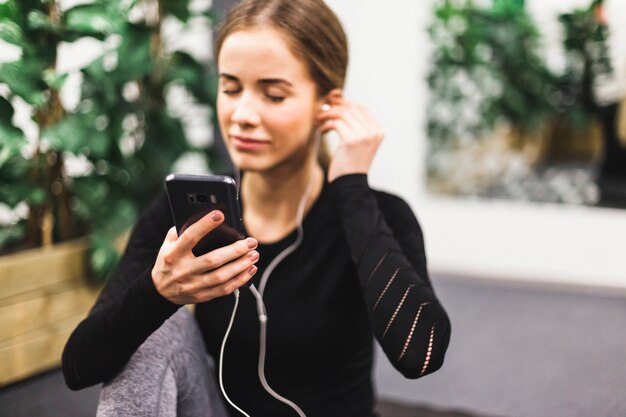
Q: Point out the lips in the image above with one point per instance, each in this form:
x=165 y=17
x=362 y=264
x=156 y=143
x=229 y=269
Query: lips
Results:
x=248 y=144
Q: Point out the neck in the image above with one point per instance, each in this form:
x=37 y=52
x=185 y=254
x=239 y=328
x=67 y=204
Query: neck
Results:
x=271 y=198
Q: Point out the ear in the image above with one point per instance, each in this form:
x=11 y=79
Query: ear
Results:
x=335 y=95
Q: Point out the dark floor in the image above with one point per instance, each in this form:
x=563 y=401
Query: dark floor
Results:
x=515 y=351
x=47 y=396
x=524 y=351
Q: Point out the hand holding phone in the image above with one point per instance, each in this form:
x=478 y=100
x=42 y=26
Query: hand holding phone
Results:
x=193 y=196
x=205 y=255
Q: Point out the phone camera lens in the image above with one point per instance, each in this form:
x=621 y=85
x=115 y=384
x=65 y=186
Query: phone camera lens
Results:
x=201 y=198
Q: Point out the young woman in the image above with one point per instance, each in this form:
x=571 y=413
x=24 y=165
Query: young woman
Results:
x=358 y=269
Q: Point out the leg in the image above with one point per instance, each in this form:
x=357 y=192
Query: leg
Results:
x=170 y=375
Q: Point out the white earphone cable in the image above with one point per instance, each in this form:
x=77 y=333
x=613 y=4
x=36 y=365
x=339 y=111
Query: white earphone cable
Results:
x=258 y=295
x=222 y=349
x=262 y=351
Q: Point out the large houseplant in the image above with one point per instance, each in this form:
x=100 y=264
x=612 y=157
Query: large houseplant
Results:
x=86 y=167
x=489 y=72
x=83 y=148
x=486 y=71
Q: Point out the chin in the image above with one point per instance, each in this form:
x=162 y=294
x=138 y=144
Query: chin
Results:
x=250 y=163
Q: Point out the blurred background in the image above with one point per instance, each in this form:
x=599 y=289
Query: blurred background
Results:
x=504 y=131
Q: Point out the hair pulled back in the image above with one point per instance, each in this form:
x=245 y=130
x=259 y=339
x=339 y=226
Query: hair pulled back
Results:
x=311 y=29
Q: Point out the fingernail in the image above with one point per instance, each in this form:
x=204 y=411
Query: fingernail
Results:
x=252 y=270
x=254 y=255
x=251 y=243
x=216 y=216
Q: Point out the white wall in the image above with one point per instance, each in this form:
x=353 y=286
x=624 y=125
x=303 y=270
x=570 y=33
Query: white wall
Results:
x=500 y=240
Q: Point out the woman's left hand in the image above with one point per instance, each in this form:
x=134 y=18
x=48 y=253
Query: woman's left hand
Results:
x=359 y=135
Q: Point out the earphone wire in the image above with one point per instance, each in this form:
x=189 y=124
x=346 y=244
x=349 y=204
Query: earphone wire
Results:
x=264 y=278
x=258 y=295
x=222 y=350
x=229 y=328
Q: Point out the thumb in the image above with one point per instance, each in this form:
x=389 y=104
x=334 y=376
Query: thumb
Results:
x=172 y=235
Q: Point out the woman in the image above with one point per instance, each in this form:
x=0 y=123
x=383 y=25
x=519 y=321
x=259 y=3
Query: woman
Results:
x=359 y=269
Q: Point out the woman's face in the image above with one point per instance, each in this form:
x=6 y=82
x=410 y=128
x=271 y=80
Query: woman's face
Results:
x=266 y=103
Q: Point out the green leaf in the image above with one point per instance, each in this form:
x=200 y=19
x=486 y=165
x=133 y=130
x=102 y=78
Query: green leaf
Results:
x=103 y=257
x=6 y=152
x=11 y=33
x=75 y=133
x=6 y=110
x=198 y=79
x=8 y=10
x=134 y=59
x=88 y=19
x=54 y=80
x=11 y=141
x=23 y=79
x=120 y=215
x=38 y=20
x=11 y=138
x=15 y=193
x=11 y=233
x=213 y=15
x=13 y=166
x=178 y=8
x=92 y=193
x=67 y=135
x=98 y=83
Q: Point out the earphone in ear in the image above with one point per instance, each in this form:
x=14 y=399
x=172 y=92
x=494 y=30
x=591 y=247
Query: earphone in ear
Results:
x=325 y=107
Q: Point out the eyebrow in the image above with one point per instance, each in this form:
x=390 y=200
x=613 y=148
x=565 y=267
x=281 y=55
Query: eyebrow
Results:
x=264 y=81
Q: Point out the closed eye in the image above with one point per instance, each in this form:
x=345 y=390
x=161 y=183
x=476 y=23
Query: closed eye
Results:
x=275 y=99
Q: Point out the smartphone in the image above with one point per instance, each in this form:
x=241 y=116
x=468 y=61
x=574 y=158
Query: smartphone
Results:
x=191 y=197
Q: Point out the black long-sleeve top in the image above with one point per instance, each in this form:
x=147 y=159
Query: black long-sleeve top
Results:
x=359 y=272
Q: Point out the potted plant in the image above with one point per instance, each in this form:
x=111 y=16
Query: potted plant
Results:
x=487 y=72
x=594 y=93
x=83 y=148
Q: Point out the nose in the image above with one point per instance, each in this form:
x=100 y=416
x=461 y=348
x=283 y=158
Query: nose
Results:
x=246 y=114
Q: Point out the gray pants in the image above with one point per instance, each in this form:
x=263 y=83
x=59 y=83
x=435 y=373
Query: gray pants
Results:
x=170 y=375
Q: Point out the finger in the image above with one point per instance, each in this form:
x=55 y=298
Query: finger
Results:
x=338 y=112
x=353 y=117
x=226 y=272
x=357 y=129
x=368 y=119
x=355 y=112
x=228 y=287
x=345 y=131
x=221 y=256
x=328 y=126
x=167 y=250
x=172 y=235
x=363 y=116
x=337 y=108
x=332 y=114
x=364 y=126
x=192 y=235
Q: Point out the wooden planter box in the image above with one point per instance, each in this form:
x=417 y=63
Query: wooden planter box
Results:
x=44 y=294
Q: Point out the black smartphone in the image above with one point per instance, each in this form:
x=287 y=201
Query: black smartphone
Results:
x=193 y=196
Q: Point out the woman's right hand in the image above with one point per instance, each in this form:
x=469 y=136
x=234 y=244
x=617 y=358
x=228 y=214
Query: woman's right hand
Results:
x=183 y=278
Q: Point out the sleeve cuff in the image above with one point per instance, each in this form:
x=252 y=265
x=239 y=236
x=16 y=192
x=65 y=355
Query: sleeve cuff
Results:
x=349 y=180
x=352 y=193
